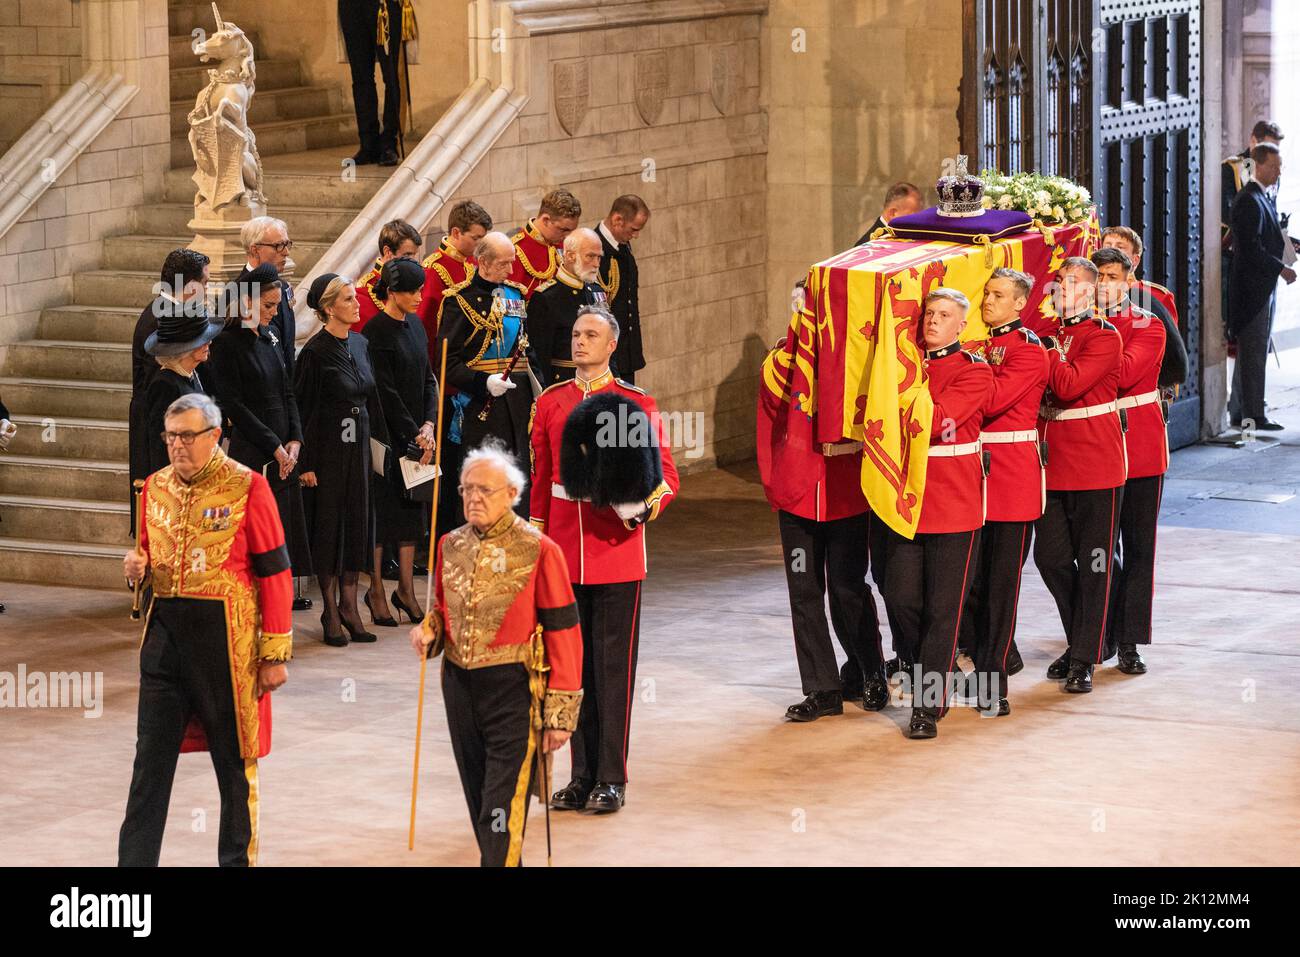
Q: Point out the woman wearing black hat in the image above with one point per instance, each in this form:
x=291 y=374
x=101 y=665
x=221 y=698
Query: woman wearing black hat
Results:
x=335 y=389
x=180 y=345
x=253 y=387
x=408 y=394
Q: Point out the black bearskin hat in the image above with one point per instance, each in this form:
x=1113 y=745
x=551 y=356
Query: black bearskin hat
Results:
x=609 y=452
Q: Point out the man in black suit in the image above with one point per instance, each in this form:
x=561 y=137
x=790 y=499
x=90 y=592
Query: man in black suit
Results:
x=359 y=22
x=618 y=277
x=901 y=199
x=1258 y=243
x=266 y=240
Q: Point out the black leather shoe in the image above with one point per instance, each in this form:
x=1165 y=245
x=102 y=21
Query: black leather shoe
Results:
x=924 y=724
x=389 y=157
x=301 y=603
x=419 y=570
x=819 y=704
x=1268 y=425
x=999 y=710
x=606 y=798
x=1130 y=662
x=1015 y=664
x=389 y=569
x=571 y=797
x=1079 y=680
x=1059 y=668
x=359 y=633
x=851 y=681
x=875 y=692
x=893 y=666
x=364 y=158
x=334 y=641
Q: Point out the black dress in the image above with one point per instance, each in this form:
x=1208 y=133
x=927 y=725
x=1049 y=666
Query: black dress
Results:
x=253 y=387
x=335 y=389
x=166 y=387
x=408 y=395
x=144 y=369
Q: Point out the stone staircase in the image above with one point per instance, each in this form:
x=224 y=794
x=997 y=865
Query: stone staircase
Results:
x=64 y=486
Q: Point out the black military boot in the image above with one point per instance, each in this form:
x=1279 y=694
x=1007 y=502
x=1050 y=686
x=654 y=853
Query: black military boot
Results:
x=819 y=704
x=573 y=796
x=875 y=692
x=1079 y=680
x=924 y=723
x=606 y=798
x=851 y=681
x=1059 y=668
x=1130 y=662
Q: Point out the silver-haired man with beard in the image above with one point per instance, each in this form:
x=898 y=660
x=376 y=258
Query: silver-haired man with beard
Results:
x=554 y=306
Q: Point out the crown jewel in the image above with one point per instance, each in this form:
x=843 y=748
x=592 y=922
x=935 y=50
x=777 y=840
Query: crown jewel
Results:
x=960 y=195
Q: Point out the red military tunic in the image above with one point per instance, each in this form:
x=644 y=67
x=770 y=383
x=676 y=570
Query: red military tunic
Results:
x=368 y=304
x=1160 y=294
x=829 y=483
x=961 y=385
x=535 y=259
x=445 y=269
x=1079 y=418
x=1146 y=442
x=496 y=591
x=218 y=537
x=1016 y=484
x=598 y=545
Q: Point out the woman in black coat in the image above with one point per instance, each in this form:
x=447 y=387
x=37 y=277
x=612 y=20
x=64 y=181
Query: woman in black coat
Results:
x=335 y=389
x=408 y=395
x=248 y=375
x=180 y=345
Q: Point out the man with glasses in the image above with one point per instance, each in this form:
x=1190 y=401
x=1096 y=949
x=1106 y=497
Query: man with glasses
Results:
x=218 y=636
x=266 y=239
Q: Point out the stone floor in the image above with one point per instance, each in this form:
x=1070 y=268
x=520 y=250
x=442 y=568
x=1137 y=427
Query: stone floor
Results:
x=1198 y=762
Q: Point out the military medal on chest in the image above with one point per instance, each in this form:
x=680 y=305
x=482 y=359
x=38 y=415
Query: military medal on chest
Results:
x=996 y=355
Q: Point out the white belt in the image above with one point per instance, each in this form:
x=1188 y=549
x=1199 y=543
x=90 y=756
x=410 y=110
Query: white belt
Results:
x=1004 y=438
x=1132 y=401
x=967 y=448
x=1052 y=413
x=558 y=491
x=841 y=448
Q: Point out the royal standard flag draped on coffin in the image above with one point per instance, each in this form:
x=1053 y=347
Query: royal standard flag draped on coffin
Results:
x=850 y=368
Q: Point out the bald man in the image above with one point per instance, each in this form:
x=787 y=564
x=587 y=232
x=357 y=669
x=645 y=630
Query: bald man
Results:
x=555 y=304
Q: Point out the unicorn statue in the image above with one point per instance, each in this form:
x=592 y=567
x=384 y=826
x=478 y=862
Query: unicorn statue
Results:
x=228 y=170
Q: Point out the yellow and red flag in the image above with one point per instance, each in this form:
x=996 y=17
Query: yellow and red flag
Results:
x=851 y=368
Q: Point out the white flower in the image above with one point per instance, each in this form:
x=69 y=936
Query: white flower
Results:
x=1005 y=202
x=1058 y=213
x=986 y=202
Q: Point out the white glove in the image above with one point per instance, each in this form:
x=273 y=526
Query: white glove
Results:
x=499 y=385
x=629 y=511
x=7 y=431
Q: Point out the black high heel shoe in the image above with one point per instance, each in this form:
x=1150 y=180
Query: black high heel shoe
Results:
x=334 y=641
x=389 y=622
x=359 y=635
x=401 y=607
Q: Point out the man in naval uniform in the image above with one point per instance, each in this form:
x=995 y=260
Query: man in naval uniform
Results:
x=620 y=279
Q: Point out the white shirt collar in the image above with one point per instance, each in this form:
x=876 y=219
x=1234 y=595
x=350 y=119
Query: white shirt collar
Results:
x=609 y=237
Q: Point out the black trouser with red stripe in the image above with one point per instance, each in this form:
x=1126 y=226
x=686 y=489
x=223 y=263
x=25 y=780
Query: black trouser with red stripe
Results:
x=185 y=673
x=989 y=623
x=829 y=560
x=611 y=626
x=489 y=721
x=1074 y=545
x=1135 y=579
x=929 y=577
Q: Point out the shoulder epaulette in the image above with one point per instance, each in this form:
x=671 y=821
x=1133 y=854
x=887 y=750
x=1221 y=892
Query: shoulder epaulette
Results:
x=456 y=288
x=544 y=286
x=519 y=234
x=1106 y=324
x=973 y=356
x=523 y=290
x=552 y=388
x=1031 y=336
x=1157 y=287
x=631 y=387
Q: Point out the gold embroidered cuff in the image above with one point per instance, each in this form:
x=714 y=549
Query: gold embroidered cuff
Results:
x=275 y=647
x=561 y=709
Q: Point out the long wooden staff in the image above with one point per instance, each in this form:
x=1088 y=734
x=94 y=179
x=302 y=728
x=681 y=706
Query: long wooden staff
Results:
x=428 y=592
x=137 y=587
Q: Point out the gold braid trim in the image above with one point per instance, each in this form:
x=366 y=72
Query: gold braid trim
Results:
x=530 y=268
x=537 y=669
x=562 y=707
x=275 y=646
x=611 y=287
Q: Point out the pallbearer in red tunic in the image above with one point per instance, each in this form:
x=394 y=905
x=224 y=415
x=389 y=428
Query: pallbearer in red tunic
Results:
x=1015 y=487
x=396 y=238
x=1156 y=299
x=1146 y=444
x=452 y=264
x=599 y=524
x=217 y=635
x=511 y=678
x=537 y=245
x=1080 y=423
x=929 y=576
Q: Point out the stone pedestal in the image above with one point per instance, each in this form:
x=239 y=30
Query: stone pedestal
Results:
x=216 y=235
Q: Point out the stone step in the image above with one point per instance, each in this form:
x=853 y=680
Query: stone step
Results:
x=137 y=253
x=66 y=519
x=187 y=79
x=114 y=287
x=85 y=565
x=70 y=397
x=287 y=136
x=48 y=358
x=68 y=437
x=89 y=323
x=180 y=46
x=319 y=224
x=86 y=479
x=290 y=189
x=269 y=106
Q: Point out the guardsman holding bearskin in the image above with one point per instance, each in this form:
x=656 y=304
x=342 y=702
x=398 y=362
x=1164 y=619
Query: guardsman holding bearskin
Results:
x=1016 y=485
x=555 y=305
x=1146 y=444
x=601 y=469
x=396 y=238
x=1080 y=422
x=930 y=574
x=620 y=279
x=537 y=245
x=506 y=616
x=452 y=264
x=217 y=634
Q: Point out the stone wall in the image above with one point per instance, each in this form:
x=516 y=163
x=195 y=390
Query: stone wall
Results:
x=859 y=94
x=40 y=56
x=122 y=168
